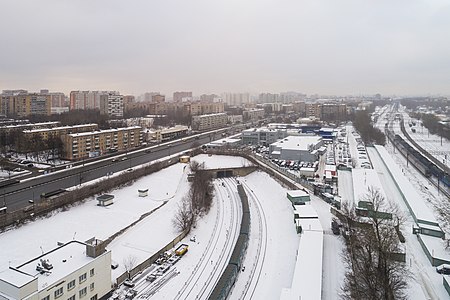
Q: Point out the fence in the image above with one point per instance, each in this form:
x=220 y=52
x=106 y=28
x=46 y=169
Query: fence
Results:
x=146 y=263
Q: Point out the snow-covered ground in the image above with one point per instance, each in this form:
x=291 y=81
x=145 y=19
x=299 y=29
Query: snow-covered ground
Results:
x=221 y=161
x=432 y=143
x=426 y=283
x=86 y=220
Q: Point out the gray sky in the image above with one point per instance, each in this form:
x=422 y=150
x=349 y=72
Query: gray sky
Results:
x=317 y=46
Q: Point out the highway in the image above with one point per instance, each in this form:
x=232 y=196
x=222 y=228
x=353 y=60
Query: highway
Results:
x=17 y=196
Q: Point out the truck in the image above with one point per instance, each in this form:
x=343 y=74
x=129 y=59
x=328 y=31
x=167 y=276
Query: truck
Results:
x=181 y=250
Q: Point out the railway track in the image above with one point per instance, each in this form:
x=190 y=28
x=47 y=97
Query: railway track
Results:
x=201 y=266
x=256 y=269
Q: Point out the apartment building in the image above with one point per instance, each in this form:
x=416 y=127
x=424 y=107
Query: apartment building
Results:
x=211 y=121
x=178 y=96
x=29 y=126
x=333 y=112
x=253 y=114
x=72 y=271
x=236 y=99
x=87 y=99
x=111 y=105
x=95 y=143
x=171 y=133
x=45 y=133
x=202 y=108
x=22 y=104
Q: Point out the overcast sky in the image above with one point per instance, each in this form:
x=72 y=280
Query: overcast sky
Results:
x=208 y=46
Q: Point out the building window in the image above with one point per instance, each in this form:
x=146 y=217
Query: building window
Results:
x=94 y=297
x=83 y=292
x=71 y=298
x=91 y=286
x=71 y=285
x=59 y=292
x=92 y=272
x=46 y=298
x=83 y=277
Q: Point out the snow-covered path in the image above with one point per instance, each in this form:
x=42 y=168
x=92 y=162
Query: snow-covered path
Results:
x=426 y=283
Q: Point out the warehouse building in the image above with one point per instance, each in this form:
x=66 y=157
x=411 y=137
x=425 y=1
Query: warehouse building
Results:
x=296 y=148
x=262 y=136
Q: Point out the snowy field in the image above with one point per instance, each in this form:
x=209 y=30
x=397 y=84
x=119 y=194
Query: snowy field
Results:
x=221 y=161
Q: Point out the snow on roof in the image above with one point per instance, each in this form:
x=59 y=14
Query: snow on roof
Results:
x=436 y=247
x=330 y=168
x=307 y=280
x=309 y=224
x=306 y=211
x=363 y=179
x=59 y=128
x=225 y=141
x=15 y=278
x=297 y=193
x=65 y=260
x=297 y=142
x=420 y=210
x=104 y=131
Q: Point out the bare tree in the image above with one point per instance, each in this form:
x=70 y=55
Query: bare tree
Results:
x=371 y=246
x=184 y=218
x=129 y=263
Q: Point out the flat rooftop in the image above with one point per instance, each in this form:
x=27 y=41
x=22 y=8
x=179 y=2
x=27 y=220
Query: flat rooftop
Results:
x=104 y=131
x=297 y=142
x=65 y=259
x=306 y=211
x=297 y=193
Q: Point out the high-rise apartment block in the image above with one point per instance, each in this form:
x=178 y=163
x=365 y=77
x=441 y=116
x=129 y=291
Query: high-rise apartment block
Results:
x=111 y=105
x=178 y=96
x=236 y=99
x=87 y=99
x=20 y=103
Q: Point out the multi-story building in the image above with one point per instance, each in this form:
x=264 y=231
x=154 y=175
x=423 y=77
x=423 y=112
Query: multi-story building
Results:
x=211 y=121
x=262 y=136
x=158 y=98
x=203 y=108
x=253 y=114
x=333 y=112
x=312 y=109
x=45 y=133
x=87 y=99
x=56 y=99
x=168 y=134
x=178 y=96
x=25 y=104
x=268 y=98
x=208 y=98
x=94 y=143
x=29 y=126
x=72 y=271
x=111 y=105
x=234 y=119
x=236 y=99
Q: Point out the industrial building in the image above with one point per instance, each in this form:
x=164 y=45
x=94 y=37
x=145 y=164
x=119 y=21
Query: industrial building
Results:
x=262 y=136
x=74 y=270
x=296 y=148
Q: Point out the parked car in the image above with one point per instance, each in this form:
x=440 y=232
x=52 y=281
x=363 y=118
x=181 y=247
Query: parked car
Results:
x=128 y=283
x=443 y=269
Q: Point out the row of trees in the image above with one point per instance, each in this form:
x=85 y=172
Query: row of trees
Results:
x=373 y=272
x=197 y=202
x=15 y=140
x=433 y=124
x=369 y=134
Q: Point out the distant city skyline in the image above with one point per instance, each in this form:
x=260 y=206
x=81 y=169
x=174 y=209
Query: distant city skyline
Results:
x=320 y=47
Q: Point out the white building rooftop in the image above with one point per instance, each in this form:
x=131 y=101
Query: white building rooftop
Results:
x=104 y=131
x=65 y=259
x=297 y=142
x=363 y=179
x=297 y=193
